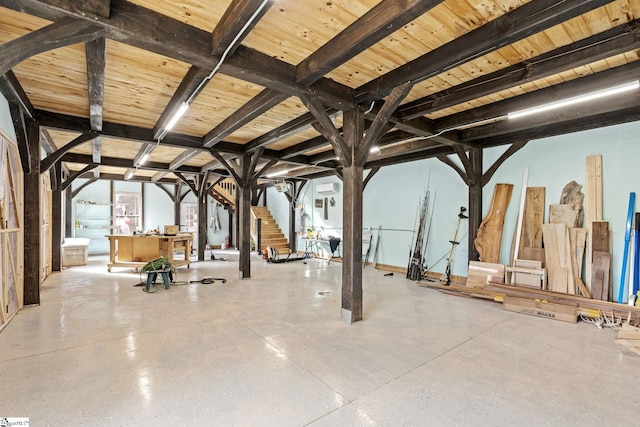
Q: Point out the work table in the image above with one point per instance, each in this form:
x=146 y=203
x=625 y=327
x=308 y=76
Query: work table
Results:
x=137 y=250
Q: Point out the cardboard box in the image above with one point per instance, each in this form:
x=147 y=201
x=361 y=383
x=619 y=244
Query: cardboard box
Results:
x=538 y=308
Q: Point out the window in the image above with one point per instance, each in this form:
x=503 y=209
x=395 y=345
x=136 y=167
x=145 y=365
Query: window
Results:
x=189 y=217
x=127 y=214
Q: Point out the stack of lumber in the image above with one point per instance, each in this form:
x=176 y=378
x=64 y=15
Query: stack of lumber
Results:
x=587 y=307
x=600 y=256
x=564 y=252
x=629 y=336
x=528 y=259
x=593 y=213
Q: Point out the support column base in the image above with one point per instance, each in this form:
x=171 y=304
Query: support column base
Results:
x=347 y=317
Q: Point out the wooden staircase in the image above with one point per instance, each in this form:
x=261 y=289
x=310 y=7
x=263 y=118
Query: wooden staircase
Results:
x=271 y=233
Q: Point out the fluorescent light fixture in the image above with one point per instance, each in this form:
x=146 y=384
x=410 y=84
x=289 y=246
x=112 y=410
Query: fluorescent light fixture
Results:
x=375 y=149
x=481 y=122
x=176 y=116
x=129 y=175
x=278 y=173
x=144 y=158
x=575 y=100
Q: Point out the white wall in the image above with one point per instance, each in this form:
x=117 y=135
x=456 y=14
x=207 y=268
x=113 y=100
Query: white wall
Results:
x=6 y=124
x=390 y=202
x=217 y=237
x=158 y=207
x=97 y=213
x=279 y=207
x=391 y=198
x=554 y=162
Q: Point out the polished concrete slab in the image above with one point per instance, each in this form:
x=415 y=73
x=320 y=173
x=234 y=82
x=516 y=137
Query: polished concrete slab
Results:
x=272 y=351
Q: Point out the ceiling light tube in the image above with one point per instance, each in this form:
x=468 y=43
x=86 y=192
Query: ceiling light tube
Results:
x=374 y=149
x=176 y=116
x=575 y=100
x=278 y=173
x=129 y=175
x=143 y=159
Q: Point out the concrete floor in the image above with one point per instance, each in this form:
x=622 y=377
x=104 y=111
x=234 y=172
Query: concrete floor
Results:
x=272 y=351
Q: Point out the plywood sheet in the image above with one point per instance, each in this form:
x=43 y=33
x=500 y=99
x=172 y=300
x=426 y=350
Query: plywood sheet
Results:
x=568 y=214
x=555 y=256
x=479 y=272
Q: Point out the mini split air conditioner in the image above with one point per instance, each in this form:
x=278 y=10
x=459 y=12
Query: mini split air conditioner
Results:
x=281 y=187
x=328 y=188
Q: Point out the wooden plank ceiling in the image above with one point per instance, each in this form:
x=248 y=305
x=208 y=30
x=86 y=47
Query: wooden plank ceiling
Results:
x=115 y=71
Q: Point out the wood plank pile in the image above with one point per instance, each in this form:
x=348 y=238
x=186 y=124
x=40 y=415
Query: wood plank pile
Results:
x=545 y=278
x=588 y=307
x=629 y=337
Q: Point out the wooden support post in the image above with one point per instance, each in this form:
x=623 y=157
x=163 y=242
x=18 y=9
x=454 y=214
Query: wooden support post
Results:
x=177 y=200
x=32 y=228
x=56 y=230
x=202 y=224
x=352 y=244
x=236 y=220
x=244 y=236
x=258 y=235
x=292 y=215
x=475 y=202
x=58 y=214
x=352 y=179
x=232 y=237
x=68 y=209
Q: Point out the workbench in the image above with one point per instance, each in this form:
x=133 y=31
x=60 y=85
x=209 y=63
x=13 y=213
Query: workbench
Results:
x=137 y=250
x=316 y=246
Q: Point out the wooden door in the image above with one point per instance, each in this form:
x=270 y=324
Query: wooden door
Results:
x=45 y=233
x=11 y=239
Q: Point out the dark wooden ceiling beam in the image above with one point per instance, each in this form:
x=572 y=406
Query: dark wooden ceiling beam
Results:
x=381 y=121
x=292 y=127
x=191 y=83
x=509 y=28
x=325 y=126
x=65 y=32
x=580 y=124
x=50 y=160
x=387 y=139
x=579 y=86
x=21 y=127
x=591 y=109
x=51 y=120
x=402 y=157
x=617 y=40
x=254 y=108
x=126 y=163
x=239 y=18
x=143 y=28
x=47 y=143
x=303 y=147
x=385 y=18
x=12 y=90
x=236 y=23
x=116 y=177
x=73 y=175
x=407 y=148
x=96 y=60
x=380 y=21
